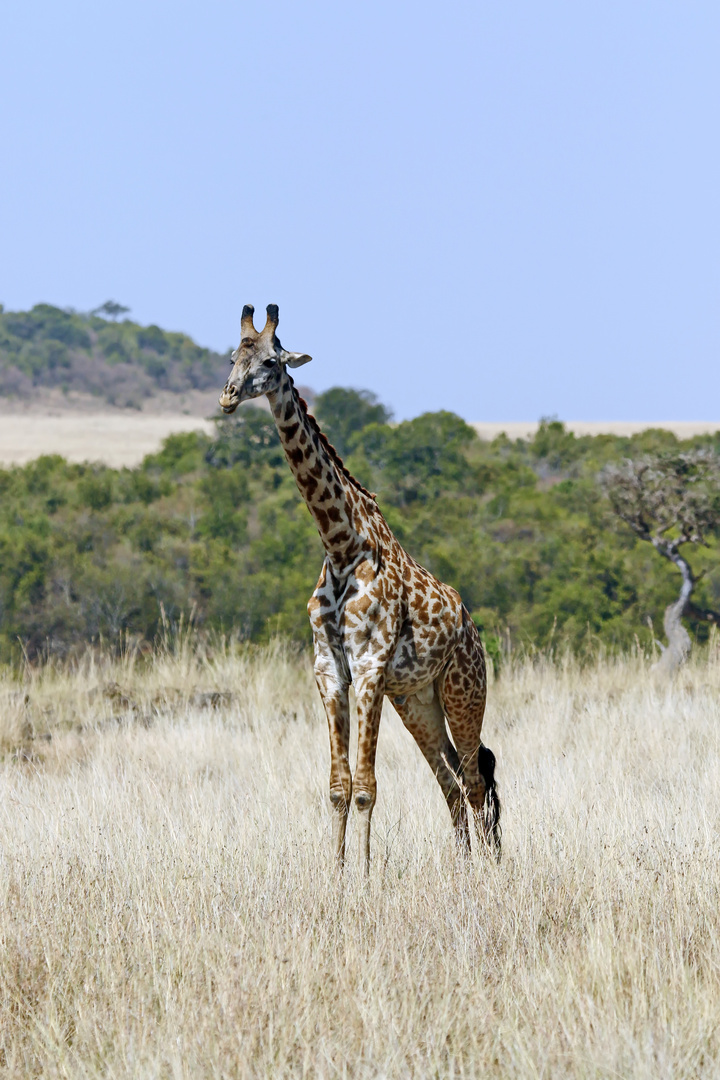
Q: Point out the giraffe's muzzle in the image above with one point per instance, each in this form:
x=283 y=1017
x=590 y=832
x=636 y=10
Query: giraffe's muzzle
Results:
x=229 y=399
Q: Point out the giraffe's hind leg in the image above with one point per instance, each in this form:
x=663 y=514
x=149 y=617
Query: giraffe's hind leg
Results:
x=422 y=714
x=463 y=692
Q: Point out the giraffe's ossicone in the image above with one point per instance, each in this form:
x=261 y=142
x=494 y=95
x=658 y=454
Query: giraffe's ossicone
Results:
x=380 y=621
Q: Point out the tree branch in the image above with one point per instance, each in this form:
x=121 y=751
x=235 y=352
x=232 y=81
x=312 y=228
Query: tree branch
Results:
x=669 y=548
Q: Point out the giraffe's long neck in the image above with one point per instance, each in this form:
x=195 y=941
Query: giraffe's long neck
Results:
x=340 y=506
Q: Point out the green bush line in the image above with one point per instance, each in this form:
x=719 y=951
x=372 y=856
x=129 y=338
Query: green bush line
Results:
x=215 y=526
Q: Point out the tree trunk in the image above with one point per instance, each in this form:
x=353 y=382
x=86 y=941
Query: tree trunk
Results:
x=677 y=650
x=679 y=644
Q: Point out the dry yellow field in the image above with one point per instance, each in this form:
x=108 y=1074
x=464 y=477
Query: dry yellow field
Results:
x=122 y=437
x=114 y=438
x=515 y=429
x=168 y=908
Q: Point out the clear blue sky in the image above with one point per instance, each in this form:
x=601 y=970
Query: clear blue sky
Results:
x=508 y=209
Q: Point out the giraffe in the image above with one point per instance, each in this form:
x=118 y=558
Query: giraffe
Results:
x=380 y=621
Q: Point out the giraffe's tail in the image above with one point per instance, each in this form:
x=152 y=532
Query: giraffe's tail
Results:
x=492 y=808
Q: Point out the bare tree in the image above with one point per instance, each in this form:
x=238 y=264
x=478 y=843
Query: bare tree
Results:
x=671 y=500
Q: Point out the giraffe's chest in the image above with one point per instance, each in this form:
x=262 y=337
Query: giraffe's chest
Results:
x=376 y=621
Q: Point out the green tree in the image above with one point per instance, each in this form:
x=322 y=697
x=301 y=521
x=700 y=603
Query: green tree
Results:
x=111 y=309
x=671 y=500
x=343 y=413
x=416 y=460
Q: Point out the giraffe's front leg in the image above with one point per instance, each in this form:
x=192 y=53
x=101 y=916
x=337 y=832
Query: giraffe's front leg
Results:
x=369 y=693
x=334 y=694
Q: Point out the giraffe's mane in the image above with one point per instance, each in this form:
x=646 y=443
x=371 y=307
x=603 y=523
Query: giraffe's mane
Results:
x=330 y=449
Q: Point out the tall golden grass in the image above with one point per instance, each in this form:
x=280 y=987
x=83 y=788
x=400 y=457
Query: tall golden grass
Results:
x=168 y=907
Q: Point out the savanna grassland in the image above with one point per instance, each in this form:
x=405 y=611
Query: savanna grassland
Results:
x=168 y=906
x=169 y=909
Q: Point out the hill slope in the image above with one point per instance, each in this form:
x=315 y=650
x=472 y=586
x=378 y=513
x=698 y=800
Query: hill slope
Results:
x=120 y=363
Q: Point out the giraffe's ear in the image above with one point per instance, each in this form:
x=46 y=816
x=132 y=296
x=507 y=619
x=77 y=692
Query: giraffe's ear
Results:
x=295 y=359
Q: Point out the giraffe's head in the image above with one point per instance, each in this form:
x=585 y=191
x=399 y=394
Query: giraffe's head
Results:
x=258 y=361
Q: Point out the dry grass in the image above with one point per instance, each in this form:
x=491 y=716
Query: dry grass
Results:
x=168 y=909
x=516 y=429
x=120 y=438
